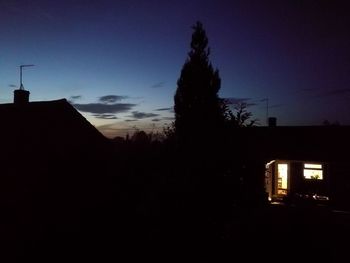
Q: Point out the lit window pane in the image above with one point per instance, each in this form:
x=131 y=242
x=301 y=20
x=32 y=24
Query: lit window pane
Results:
x=313 y=174
x=282 y=176
x=313 y=166
x=282 y=192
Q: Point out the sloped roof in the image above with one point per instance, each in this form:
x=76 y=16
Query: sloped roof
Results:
x=54 y=126
x=52 y=159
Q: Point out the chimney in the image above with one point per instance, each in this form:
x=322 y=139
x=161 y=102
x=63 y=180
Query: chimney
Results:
x=21 y=96
x=272 y=121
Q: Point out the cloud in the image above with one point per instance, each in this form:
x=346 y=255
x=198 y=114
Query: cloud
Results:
x=111 y=98
x=101 y=108
x=76 y=97
x=142 y=115
x=156 y=120
x=165 y=109
x=105 y=116
x=235 y=100
x=158 y=85
x=263 y=100
x=335 y=92
x=247 y=101
x=107 y=126
x=12 y=86
x=317 y=93
x=169 y=118
x=130 y=120
x=250 y=104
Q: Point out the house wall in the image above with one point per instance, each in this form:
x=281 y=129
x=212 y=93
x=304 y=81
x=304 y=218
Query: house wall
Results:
x=269 y=179
x=296 y=177
x=340 y=184
x=296 y=181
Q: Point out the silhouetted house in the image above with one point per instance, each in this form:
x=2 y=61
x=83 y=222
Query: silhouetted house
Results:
x=299 y=161
x=47 y=128
x=52 y=158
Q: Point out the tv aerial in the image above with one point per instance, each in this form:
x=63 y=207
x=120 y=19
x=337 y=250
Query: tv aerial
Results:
x=21 y=87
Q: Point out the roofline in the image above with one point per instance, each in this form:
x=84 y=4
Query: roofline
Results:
x=63 y=100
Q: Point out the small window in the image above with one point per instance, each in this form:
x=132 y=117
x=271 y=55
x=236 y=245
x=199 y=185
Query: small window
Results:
x=313 y=166
x=313 y=171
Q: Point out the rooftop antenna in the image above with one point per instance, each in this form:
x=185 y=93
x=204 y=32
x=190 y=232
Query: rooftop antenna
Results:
x=20 y=76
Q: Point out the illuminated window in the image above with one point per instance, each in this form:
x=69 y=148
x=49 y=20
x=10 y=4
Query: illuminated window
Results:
x=282 y=183
x=313 y=171
x=312 y=166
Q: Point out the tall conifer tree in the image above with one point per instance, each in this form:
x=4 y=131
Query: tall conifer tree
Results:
x=198 y=111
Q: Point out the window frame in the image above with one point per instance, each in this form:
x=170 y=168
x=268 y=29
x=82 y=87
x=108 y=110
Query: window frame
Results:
x=313 y=168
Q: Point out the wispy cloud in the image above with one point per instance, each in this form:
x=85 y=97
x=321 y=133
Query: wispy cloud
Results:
x=325 y=92
x=169 y=118
x=156 y=119
x=111 y=98
x=158 y=85
x=76 y=97
x=335 y=92
x=142 y=115
x=101 y=108
x=236 y=100
x=165 y=109
x=105 y=116
x=130 y=120
x=251 y=104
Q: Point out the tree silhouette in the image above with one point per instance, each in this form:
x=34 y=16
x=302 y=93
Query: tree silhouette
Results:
x=328 y=123
x=239 y=117
x=140 y=137
x=199 y=126
x=198 y=111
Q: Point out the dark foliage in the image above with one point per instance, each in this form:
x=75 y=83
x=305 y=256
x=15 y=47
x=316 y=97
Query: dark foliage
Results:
x=239 y=117
x=207 y=153
x=197 y=107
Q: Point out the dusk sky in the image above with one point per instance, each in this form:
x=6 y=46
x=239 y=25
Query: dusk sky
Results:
x=118 y=62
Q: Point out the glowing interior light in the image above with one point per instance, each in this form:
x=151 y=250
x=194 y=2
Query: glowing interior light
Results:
x=282 y=175
x=313 y=171
x=312 y=166
x=313 y=174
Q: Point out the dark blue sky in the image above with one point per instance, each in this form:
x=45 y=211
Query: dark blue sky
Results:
x=118 y=61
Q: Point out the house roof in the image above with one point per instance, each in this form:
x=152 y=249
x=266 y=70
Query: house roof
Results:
x=296 y=142
x=54 y=127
